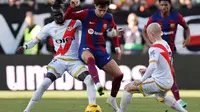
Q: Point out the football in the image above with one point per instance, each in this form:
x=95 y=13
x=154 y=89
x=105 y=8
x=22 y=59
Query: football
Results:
x=93 y=108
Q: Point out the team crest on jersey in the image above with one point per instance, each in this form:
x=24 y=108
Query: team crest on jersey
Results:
x=90 y=31
x=172 y=25
x=105 y=26
x=69 y=28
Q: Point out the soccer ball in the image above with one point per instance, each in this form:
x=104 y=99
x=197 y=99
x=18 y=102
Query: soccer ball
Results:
x=93 y=108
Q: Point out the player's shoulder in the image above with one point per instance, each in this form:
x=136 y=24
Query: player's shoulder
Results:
x=108 y=16
x=174 y=13
x=156 y=14
x=49 y=25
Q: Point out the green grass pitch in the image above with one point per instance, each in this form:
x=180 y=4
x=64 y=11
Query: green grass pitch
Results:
x=76 y=101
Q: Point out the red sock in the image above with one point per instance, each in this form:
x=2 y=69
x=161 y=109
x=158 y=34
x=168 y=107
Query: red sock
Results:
x=116 y=83
x=175 y=91
x=92 y=69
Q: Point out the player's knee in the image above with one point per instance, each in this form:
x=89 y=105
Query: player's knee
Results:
x=83 y=75
x=51 y=76
x=127 y=88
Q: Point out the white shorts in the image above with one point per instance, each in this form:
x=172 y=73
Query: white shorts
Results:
x=149 y=87
x=59 y=65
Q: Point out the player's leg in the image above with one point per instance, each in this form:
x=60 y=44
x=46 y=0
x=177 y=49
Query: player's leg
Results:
x=126 y=99
x=55 y=70
x=175 y=91
x=89 y=59
x=78 y=70
x=148 y=87
x=112 y=68
x=169 y=101
x=91 y=91
x=48 y=80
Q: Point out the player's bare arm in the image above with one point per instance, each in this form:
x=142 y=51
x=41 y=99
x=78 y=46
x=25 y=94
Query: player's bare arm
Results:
x=187 y=40
x=183 y=23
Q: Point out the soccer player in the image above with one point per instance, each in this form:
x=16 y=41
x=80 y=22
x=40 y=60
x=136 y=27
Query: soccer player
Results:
x=96 y=23
x=65 y=36
x=158 y=78
x=169 y=20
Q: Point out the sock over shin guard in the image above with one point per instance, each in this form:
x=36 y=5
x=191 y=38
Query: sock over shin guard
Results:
x=93 y=70
x=116 y=85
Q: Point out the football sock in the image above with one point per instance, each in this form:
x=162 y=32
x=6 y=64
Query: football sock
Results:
x=91 y=91
x=175 y=91
x=126 y=99
x=116 y=85
x=92 y=69
x=171 y=102
x=38 y=93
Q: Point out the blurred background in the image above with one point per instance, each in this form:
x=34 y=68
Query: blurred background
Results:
x=21 y=20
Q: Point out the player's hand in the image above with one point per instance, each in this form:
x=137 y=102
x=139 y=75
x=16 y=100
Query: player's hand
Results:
x=20 y=49
x=74 y=3
x=186 y=42
x=118 y=53
x=142 y=71
x=137 y=82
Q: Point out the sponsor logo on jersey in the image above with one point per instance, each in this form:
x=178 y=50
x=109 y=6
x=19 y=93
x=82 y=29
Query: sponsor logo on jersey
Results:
x=64 y=40
x=91 y=32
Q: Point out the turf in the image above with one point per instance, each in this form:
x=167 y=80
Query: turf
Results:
x=73 y=101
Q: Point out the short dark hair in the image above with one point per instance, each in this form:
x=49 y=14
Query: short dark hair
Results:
x=102 y=2
x=165 y=0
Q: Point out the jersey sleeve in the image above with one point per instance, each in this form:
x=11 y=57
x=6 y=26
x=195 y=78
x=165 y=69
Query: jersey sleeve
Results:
x=181 y=21
x=44 y=33
x=154 y=54
x=113 y=24
x=80 y=15
x=115 y=40
x=78 y=31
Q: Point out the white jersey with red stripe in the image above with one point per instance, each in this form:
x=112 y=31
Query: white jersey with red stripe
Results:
x=160 y=52
x=65 y=37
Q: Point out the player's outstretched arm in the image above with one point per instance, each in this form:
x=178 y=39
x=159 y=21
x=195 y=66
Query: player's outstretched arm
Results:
x=29 y=45
x=80 y=15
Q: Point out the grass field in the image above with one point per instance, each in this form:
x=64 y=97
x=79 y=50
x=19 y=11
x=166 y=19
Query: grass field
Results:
x=73 y=101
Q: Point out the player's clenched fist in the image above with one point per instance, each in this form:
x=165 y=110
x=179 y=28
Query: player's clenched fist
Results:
x=74 y=3
x=20 y=49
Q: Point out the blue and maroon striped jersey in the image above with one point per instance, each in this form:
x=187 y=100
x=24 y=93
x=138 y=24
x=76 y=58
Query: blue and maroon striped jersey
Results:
x=93 y=28
x=169 y=26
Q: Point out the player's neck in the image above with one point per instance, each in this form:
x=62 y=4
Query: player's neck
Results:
x=159 y=39
x=164 y=15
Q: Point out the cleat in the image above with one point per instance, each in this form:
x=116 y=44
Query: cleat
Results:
x=113 y=104
x=100 y=90
x=182 y=103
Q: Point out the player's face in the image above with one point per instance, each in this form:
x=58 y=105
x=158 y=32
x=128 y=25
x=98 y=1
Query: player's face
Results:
x=165 y=7
x=100 y=11
x=151 y=36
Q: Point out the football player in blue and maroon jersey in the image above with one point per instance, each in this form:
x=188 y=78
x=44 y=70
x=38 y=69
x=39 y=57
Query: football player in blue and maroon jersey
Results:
x=96 y=24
